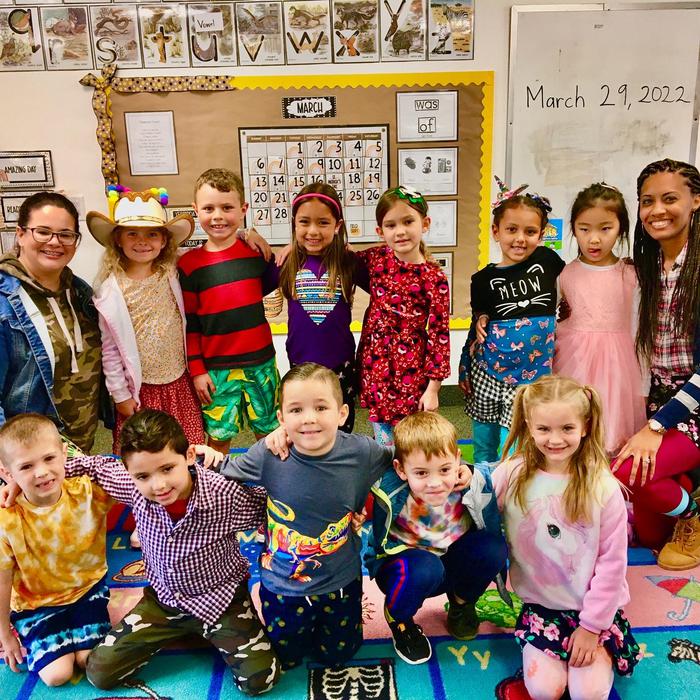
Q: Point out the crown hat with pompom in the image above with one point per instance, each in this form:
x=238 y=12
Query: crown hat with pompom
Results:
x=137 y=210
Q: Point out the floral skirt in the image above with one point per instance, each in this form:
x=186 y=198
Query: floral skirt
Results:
x=550 y=630
x=664 y=389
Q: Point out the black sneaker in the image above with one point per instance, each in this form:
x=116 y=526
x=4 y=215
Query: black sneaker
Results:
x=462 y=621
x=410 y=642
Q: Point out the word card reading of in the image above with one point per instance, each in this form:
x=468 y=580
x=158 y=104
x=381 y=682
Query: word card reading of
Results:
x=278 y=163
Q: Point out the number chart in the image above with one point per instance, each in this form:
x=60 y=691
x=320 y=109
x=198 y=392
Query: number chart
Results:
x=278 y=163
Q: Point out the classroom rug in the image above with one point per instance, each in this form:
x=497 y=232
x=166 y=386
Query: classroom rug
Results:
x=664 y=613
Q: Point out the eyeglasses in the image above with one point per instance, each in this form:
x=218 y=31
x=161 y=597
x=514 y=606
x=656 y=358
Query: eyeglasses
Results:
x=41 y=234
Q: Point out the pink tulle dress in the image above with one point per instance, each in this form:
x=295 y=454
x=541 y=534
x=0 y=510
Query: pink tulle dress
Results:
x=595 y=344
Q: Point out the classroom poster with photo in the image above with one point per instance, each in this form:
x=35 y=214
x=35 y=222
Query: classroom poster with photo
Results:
x=163 y=36
x=402 y=28
x=115 y=35
x=307 y=28
x=355 y=31
x=260 y=36
x=450 y=29
x=212 y=35
x=20 y=39
x=429 y=170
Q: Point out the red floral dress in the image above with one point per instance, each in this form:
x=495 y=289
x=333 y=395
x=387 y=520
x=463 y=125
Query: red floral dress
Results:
x=405 y=339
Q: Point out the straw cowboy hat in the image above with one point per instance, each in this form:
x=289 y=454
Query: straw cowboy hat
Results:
x=136 y=210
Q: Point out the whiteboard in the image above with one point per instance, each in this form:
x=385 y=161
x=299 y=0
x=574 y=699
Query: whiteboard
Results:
x=595 y=95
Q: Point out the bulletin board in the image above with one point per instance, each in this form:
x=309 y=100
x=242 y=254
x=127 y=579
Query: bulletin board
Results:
x=222 y=122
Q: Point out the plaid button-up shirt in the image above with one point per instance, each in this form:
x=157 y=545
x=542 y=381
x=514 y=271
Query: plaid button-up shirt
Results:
x=193 y=564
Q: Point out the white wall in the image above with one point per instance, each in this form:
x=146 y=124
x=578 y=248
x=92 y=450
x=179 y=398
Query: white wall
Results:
x=51 y=111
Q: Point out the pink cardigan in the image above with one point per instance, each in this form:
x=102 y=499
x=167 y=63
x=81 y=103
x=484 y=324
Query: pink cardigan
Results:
x=120 y=357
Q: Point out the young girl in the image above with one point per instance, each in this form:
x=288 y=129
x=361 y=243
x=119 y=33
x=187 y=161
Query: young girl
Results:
x=513 y=310
x=141 y=312
x=667 y=448
x=566 y=526
x=595 y=343
x=404 y=350
x=318 y=279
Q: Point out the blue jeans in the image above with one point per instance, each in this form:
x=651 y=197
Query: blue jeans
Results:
x=489 y=439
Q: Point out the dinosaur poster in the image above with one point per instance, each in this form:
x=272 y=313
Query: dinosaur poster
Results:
x=260 y=37
x=307 y=30
x=212 y=35
x=115 y=35
x=402 y=28
x=450 y=29
x=66 y=38
x=20 y=39
x=355 y=31
x=163 y=35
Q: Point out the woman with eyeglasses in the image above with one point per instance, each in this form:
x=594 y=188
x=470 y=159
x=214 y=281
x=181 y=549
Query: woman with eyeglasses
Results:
x=50 y=348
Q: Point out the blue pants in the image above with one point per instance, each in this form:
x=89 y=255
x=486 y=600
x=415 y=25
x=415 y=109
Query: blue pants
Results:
x=465 y=570
x=327 y=627
x=489 y=439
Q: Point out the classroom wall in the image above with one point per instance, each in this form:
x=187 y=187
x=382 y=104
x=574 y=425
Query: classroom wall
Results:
x=50 y=111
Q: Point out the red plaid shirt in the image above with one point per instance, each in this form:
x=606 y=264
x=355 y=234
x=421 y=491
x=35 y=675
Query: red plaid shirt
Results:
x=673 y=354
x=193 y=564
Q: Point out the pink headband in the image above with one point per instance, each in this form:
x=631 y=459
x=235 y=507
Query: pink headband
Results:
x=318 y=195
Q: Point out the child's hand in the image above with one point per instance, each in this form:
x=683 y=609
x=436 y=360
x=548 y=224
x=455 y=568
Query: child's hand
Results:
x=11 y=651
x=358 y=520
x=429 y=401
x=582 y=647
x=282 y=255
x=466 y=386
x=126 y=408
x=464 y=478
x=204 y=387
x=210 y=457
x=278 y=442
x=9 y=493
x=255 y=241
x=481 y=324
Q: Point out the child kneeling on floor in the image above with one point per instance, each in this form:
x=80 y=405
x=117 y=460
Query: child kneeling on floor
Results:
x=431 y=536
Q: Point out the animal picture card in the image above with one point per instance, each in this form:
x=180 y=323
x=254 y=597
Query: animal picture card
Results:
x=212 y=35
x=355 y=31
x=20 y=39
x=450 y=29
x=402 y=25
x=163 y=35
x=115 y=36
x=307 y=29
x=67 y=43
x=260 y=37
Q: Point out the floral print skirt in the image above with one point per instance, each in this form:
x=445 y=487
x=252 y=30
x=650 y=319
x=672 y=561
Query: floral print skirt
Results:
x=550 y=630
x=663 y=389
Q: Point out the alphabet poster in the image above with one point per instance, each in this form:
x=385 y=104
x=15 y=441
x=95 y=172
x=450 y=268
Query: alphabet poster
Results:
x=212 y=35
x=20 y=39
x=115 y=35
x=65 y=32
x=260 y=33
x=164 y=35
x=403 y=30
x=355 y=31
x=307 y=30
x=450 y=29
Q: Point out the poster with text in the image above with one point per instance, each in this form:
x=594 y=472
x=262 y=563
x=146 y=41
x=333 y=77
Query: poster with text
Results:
x=260 y=37
x=115 y=35
x=307 y=29
x=403 y=30
x=450 y=29
x=20 y=39
x=429 y=170
x=163 y=36
x=67 y=44
x=355 y=31
x=212 y=35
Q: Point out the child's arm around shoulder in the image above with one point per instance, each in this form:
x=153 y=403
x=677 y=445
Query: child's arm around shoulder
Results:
x=247 y=466
x=107 y=472
x=381 y=458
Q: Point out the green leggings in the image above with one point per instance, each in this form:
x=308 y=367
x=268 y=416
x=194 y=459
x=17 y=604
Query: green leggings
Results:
x=237 y=635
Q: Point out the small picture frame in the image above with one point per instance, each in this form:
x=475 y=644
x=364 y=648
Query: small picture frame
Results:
x=27 y=169
x=10 y=203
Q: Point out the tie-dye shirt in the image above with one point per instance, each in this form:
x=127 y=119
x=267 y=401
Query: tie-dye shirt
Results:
x=433 y=528
x=57 y=552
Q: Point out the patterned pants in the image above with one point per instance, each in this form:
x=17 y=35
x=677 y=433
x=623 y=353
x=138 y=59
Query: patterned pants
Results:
x=237 y=635
x=327 y=627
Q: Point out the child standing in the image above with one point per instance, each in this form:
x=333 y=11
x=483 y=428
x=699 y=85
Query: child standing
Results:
x=229 y=343
x=404 y=350
x=595 y=343
x=311 y=574
x=318 y=279
x=141 y=312
x=430 y=537
x=566 y=526
x=513 y=311
x=52 y=555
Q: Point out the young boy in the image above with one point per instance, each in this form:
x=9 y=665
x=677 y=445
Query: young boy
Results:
x=52 y=555
x=311 y=574
x=229 y=343
x=428 y=538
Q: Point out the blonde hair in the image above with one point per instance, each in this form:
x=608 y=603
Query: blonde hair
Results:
x=589 y=462
x=22 y=431
x=221 y=179
x=426 y=432
x=114 y=260
x=310 y=370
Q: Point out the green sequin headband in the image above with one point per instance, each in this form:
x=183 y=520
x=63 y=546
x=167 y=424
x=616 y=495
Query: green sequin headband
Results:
x=413 y=196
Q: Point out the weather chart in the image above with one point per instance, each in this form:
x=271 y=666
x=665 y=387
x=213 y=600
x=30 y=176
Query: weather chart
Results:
x=277 y=163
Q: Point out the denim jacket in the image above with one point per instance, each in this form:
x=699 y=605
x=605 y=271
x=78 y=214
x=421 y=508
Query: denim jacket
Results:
x=26 y=371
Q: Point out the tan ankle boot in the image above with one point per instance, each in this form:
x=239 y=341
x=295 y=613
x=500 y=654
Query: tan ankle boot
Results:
x=682 y=551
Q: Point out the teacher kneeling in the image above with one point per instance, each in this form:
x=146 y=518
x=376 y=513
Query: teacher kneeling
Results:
x=50 y=349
